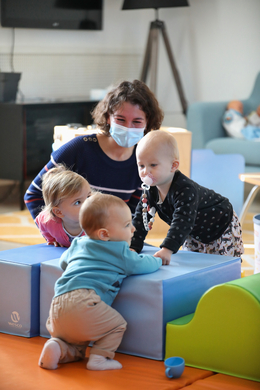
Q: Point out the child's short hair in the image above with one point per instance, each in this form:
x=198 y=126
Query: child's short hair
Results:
x=94 y=212
x=58 y=184
x=158 y=139
x=136 y=93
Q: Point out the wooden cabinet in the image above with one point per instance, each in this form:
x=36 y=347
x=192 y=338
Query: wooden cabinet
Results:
x=26 y=135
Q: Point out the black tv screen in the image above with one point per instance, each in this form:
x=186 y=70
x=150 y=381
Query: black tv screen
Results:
x=52 y=14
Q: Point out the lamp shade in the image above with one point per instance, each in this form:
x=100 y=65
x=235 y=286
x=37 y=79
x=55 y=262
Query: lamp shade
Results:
x=138 y=4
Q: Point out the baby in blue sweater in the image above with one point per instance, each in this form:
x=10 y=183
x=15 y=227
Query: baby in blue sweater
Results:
x=94 y=269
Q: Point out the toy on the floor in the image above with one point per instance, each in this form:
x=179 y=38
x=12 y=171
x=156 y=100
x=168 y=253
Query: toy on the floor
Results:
x=223 y=334
x=238 y=125
x=174 y=367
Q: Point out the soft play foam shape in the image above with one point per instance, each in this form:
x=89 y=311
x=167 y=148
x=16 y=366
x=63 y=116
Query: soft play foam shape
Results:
x=20 y=288
x=148 y=302
x=214 y=171
x=223 y=335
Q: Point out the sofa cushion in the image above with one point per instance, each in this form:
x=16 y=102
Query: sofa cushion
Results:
x=226 y=145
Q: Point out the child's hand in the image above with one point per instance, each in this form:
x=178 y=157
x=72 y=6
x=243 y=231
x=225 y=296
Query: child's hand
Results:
x=55 y=243
x=165 y=255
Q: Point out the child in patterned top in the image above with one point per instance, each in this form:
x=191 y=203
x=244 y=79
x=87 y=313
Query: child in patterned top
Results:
x=200 y=220
x=64 y=192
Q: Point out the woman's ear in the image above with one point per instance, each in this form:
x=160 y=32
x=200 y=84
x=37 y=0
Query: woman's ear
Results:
x=57 y=212
x=103 y=234
x=175 y=166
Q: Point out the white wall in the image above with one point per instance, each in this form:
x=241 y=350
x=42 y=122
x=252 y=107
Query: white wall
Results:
x=215 y=44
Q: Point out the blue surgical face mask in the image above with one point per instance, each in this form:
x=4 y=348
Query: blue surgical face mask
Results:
x=124 y=136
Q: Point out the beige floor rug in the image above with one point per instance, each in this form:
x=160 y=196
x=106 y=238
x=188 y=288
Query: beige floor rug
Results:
x=19 y=227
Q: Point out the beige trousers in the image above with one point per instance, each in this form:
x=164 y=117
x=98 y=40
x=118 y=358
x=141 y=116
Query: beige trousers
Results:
x=80 y=316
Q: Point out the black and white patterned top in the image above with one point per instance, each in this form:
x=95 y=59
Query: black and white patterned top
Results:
x=189 y=209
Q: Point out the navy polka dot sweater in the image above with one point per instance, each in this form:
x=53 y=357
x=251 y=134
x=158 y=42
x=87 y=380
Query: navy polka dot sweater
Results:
x=189 y=209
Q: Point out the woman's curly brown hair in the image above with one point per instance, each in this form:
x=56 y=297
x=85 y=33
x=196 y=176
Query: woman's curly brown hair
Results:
x=136 y=93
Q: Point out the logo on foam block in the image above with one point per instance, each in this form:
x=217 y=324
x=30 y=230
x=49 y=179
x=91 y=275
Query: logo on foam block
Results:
x=15 y=317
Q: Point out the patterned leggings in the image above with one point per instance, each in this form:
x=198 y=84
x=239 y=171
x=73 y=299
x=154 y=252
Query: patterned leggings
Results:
x=229 y=244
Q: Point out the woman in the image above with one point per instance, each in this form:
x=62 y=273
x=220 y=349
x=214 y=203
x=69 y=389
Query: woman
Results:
x=107 y=159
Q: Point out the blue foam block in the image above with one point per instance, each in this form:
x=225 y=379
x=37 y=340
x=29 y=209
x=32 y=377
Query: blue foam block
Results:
x=148 y=302
x=19 y=288
x=220 y=172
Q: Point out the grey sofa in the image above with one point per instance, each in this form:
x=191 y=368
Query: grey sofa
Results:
x=204 y=120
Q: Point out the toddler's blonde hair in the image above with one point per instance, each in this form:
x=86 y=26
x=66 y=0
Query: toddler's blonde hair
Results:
x=58 y=184
x=94 y=213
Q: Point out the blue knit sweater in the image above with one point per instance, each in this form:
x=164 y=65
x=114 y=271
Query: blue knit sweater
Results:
x=84 y=156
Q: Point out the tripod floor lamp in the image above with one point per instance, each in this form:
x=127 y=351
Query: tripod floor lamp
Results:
x=151 y=52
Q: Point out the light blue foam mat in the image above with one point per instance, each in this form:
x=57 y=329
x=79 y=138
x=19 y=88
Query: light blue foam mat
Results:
x=20 y=288
x=148 y=302
x=220 y=172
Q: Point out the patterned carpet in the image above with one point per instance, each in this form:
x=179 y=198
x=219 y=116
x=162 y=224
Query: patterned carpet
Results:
x=19 y=227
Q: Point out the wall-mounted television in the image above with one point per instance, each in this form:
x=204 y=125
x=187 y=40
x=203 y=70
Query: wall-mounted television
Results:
x=52 y=14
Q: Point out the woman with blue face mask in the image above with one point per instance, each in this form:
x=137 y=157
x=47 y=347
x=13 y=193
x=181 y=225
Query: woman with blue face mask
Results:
x=106 y=158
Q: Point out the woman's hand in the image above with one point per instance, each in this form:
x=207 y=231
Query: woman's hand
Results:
x=165 y=255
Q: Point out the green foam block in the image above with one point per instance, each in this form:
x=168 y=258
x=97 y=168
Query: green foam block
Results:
x=223 y=334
